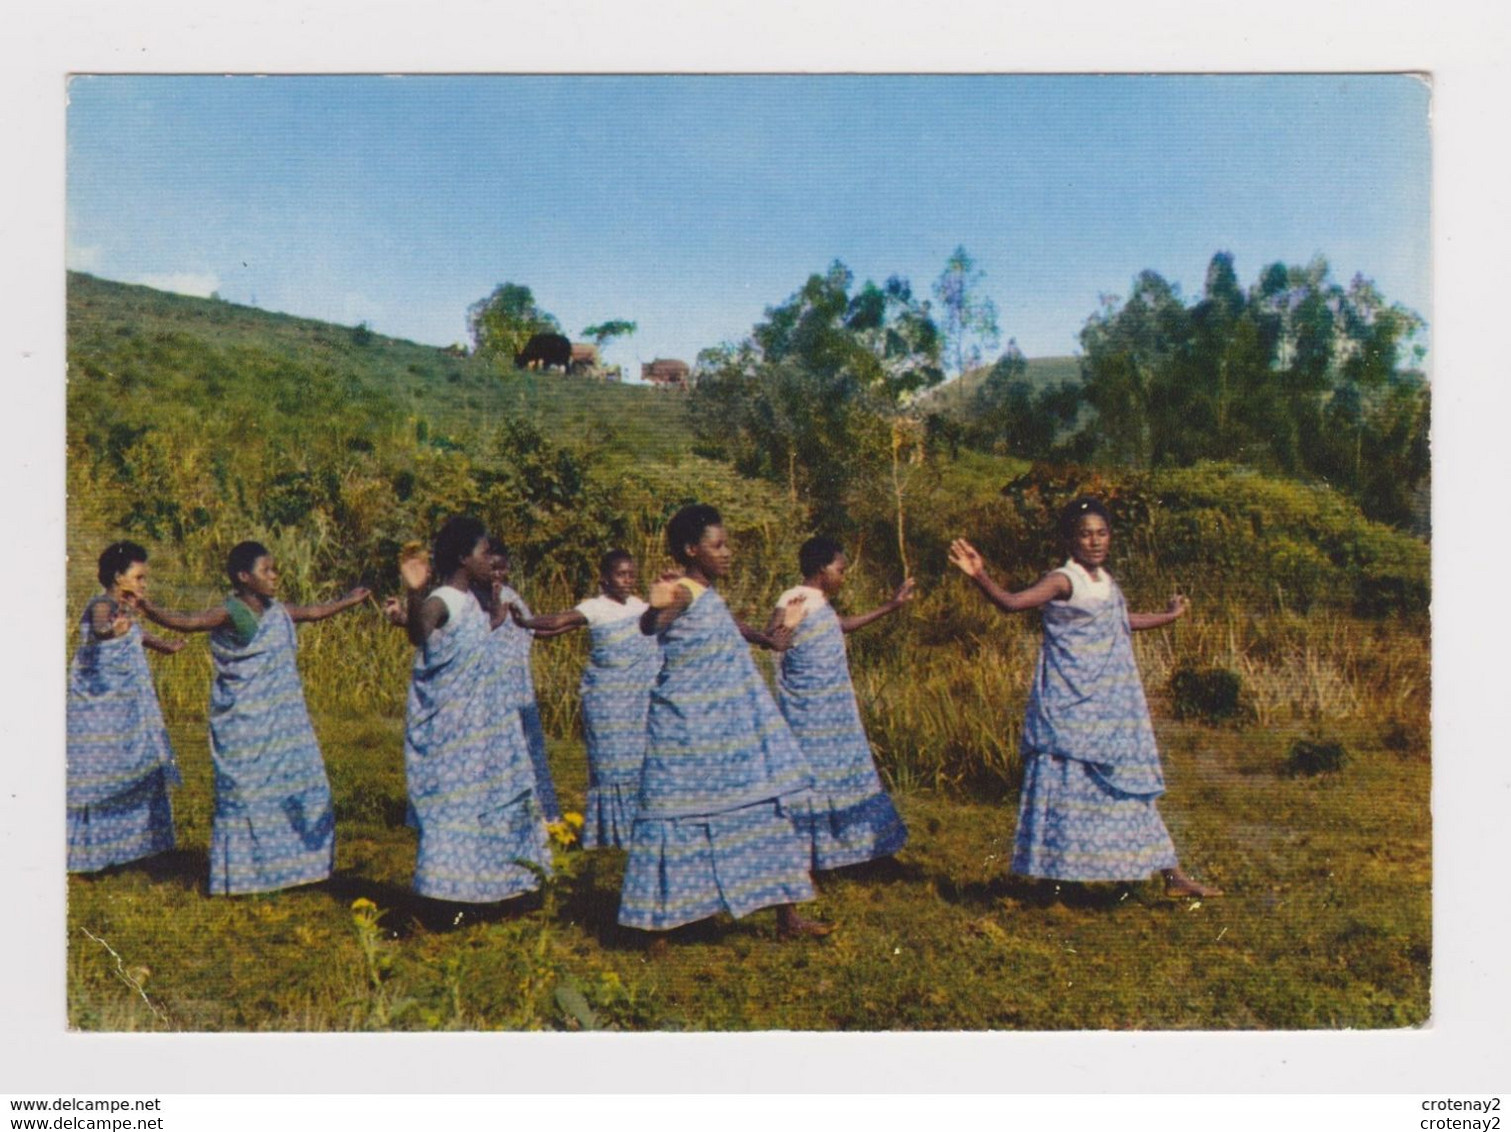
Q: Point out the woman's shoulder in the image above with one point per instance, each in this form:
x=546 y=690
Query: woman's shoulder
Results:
x=812 y=598
x=456 y=601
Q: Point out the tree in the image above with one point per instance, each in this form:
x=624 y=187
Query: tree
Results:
x=969 y=318
x=503 y=322
x=604 y=332
x=1008 y=411
x=810 y=399
x=1128 y=367
x=1301 y=376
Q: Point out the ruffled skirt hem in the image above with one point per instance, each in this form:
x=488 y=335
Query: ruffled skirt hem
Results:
x=682 y=870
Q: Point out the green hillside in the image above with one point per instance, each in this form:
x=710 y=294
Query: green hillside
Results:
x=194 y=423
x=151 y=344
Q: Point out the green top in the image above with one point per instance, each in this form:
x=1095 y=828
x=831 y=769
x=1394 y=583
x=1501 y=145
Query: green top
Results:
x=243 y=620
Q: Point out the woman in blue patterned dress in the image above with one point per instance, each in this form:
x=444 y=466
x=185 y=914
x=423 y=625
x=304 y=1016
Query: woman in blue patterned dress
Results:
x=120 y=764
x=616 y=690
x=850 y=817
x=1091 y=770
x=713 y=832
x=273 y=825
x=516 y=681
x=471 y=787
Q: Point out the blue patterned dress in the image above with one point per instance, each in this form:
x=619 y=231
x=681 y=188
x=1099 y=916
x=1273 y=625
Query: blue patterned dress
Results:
x=471 y=789
x=511 y=644
x=714 y=829
x=616 y=690
x=1091 y=768
x=850 y=817
x=119 y=762
x=273 y=825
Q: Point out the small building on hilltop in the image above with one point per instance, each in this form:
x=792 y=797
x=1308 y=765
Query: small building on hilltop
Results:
x=666 y=373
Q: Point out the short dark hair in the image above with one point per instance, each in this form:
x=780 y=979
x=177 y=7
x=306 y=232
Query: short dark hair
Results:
x=496 y=547
x=612 y=559
x=1075 y=510
x=243 y=559
x=686 y=529
x=117 y=558
x=456 y=539
x=817 y=553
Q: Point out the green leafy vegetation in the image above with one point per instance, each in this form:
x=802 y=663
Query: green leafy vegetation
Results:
x=1298 y=375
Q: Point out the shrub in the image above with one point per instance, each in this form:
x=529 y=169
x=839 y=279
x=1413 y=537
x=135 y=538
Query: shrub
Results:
x=1312 y=757
x=1210 y=695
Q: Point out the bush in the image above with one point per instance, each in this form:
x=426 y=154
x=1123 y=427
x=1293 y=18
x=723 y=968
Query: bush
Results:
x=1311 y=757
x=1210 y=695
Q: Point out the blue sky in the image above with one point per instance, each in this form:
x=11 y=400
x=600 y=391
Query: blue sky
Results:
x=689 y=204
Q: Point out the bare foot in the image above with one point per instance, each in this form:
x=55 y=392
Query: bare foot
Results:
x=789 y=925
x=1178 y=883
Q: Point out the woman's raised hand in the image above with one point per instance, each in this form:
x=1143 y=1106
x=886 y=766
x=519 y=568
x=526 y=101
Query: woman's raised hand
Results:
x=966 y=557
x=905 y=592
x=414 y=568
x=665 y=591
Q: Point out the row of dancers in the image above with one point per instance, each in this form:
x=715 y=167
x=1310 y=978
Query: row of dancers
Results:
x=727 y=799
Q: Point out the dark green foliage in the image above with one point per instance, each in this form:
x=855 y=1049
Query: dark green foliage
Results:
x=1207 y=695
x=1312 y=757
x=809 y=400
x=1301 y=376
x=1307 y=545
x=1014 y=415
x=604 y=332
x=362 y=335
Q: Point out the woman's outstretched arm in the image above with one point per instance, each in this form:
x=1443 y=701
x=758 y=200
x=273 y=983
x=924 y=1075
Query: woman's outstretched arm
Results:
x=1177 y=609
x=1053 y=586
x=904 y=594
x=201 y=622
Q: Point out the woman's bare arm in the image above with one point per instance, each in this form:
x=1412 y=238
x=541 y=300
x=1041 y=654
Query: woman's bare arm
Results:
x=203 y=622
x=328 y=608
x=1177 y=609
x=545 y=625
x=1051 y=587
x=904 y=594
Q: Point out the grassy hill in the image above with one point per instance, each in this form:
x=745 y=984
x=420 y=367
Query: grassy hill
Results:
x=163 y=345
